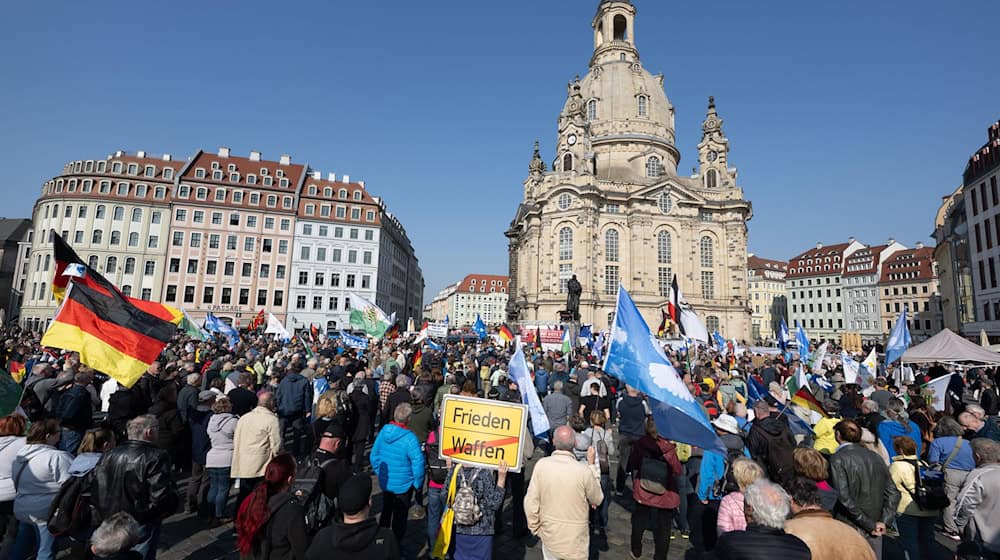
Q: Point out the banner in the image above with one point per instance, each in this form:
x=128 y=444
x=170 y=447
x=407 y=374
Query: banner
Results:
x=552 y=337
x=437 y=330
x=352 y=341
x=481 y=432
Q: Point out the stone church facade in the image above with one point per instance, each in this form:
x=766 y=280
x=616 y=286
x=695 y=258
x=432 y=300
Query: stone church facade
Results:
x=611 y=208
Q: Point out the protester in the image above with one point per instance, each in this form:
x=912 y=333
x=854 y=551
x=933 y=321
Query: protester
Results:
x=771 y=443
x=294 y=400
x=954 y=453
x=654 y=465
x=243 y=398
x=811 y=521
x=978 y=427
x=270 y=523
x=731 y=509
x=898 y=423
x=866 y=492
x=170 y=431
x=256 y=441
x=977 y=509
x=134 y=477
x=115 y=537
x=39 y=470
x=813 y=465
x=332 y=458
x=76 y=410
x=475 y=541
x=398 y=463
x=558 y=407
x=560 y=495
x=12 y=440
x=632 y=414
x=767 y=507
x=358 y=536
x=221 y=431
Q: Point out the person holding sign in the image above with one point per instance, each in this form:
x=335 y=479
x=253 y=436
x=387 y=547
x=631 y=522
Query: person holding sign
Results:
x=474 y=516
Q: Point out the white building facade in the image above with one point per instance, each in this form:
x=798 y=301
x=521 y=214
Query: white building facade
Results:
x=815 y=290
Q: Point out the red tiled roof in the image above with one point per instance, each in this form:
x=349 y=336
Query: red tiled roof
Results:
x=756 y=263
x=909 y=265
x=477 y=280
x=867 y=256
x=318 y=199
x=244 y=166
x=799 y=265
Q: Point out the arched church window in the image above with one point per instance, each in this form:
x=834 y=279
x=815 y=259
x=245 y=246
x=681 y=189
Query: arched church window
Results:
x=611 y=245
x=568 y=162
x=653 y=167
x=643 y=101
x=711 y=179
x=707 y=252
x=664 y=247
x=621 y=28
x=665 y=202
x=592 y=109
x=565 y=244
x=711 y=323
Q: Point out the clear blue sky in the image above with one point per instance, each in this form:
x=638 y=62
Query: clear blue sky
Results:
x=845 y=118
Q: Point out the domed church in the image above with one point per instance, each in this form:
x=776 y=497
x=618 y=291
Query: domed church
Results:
x=611 y=208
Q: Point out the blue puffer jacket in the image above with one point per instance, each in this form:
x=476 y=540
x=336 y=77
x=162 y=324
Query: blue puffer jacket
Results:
x=890 y=429
x=294 y=395
x=397 y=459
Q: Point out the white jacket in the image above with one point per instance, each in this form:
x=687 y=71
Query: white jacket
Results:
x=9 y=448
x=39 y=471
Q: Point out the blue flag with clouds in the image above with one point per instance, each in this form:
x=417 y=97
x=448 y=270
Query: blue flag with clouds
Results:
x=899 y=339
x=756 y=392
x=214 y=325
x=803 y=340
x=635 y=359
x=720 y=343
x=479 y=327
x=783 y=341
x=517 y=369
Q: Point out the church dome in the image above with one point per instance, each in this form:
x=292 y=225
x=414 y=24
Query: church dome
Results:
x=624 y=98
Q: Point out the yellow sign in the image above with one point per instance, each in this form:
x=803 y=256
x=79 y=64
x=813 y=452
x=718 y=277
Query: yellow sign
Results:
x=481 y=432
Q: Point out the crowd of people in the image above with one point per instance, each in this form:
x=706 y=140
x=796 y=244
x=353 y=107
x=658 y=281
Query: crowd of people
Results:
x=296 y=446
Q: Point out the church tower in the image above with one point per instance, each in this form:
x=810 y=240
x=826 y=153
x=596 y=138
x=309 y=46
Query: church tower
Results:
x=611 y=209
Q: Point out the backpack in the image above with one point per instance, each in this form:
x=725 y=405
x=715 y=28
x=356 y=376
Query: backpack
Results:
x=929 y=492
x=70 y=512
x=437 y=468
x=466 y=505
x=307 y=490
x=727 y=482
x=601 y=447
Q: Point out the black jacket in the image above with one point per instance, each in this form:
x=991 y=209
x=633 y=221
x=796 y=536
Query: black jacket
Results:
x=399 y=396
x=990 y=401
x=244 y=400
x=284 y=536
x=75 y=410
x=771 y=443
x=867 y=493
x=357 y=541
x=759 y=543
x=135 y=478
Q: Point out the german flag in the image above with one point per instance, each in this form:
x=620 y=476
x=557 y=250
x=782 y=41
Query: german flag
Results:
x=392 y=332
x=314 y=332
x=805 y=399
x=505 y=334
x=418 y=357
x=16 y=370
x=66 y=257
x=112 y=335
x=662 y=329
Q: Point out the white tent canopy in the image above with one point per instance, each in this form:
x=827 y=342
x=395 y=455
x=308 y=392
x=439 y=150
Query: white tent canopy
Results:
x=947 y=346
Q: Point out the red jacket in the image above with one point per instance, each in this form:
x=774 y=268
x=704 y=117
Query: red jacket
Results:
x=661 y=450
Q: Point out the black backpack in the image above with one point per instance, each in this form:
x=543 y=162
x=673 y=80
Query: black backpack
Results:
x=727 y=483
x=928 y=492
x=307 y=490
x=437 y=468
x=70 y=512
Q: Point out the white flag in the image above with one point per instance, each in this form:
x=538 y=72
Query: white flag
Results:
x=939 y=388
x=693 y=327
x=850 y=368
x=274 y=326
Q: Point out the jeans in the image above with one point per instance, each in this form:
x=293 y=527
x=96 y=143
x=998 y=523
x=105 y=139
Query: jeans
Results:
x=663 y=520
x=436 y=498
x=197 y=487
x=295 y=434
x=703 y=519
x=683 y=488
x=150 y=535
x=246 y=488
x=395 y=508
x=916 y=535
x=625 y=443
x=218 y=490
x=876 y=544
x=599 y=516
x=28 y=535
x=70 y=440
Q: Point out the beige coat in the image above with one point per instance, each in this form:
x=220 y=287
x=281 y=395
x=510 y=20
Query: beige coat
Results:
x=558 y=502
x=256 y=442
x=827 y=538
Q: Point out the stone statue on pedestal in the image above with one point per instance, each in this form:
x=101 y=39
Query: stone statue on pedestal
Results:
x=574 y=290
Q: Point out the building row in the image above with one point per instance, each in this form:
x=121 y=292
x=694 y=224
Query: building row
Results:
x=483 y=295
x=224 y=234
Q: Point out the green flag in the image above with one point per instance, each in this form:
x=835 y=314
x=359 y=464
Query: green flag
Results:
x=367 y=317
x=10 y=393
x=191 y=328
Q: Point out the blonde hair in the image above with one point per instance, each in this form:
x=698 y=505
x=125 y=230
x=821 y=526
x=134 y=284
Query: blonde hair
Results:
x=746 y=472
x=326 y=406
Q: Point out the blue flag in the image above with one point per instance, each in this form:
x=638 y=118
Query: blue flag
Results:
x=633 y=358
x=433 y=345
x=756 y=392
x=720 y=343
x=214 y=325
x=517 y=369
x=803 y=340
x=598 y=347
x=821 y=382
x=783 y=341
x=587 y=334
x=899 y=339
x=351 y=341
x=479 y=327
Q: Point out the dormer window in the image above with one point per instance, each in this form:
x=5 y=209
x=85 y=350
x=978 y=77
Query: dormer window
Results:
x=342 y=194
x=199 y=173
x=231 y=167
x=168 y=173
x=643 y=101
x=251 y=179
x=133 y=169
x=150 y=171
x=215 y=165
x=263 y=171
x=283 y=182
x=312 y=190
x=653 y=167
x=268 y=181
x=357 y=195
x=234 y=177
x=217 y=175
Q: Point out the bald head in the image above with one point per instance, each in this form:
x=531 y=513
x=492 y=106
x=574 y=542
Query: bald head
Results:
x=564 y=438
x=266 y=400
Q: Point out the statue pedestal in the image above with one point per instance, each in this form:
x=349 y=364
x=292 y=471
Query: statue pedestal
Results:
x=572 y=323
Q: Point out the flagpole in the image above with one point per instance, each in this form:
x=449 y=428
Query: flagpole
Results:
x=611 y=329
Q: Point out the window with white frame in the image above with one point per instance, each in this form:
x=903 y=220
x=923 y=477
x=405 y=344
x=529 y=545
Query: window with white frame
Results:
x=565 y=244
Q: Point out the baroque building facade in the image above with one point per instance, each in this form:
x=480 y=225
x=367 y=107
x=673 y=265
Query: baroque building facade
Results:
x=612 y=208
x=768 y=298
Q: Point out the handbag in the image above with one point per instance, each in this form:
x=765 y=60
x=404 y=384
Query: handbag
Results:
x=653 y=475
x=928 y=493
x=443 y=540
